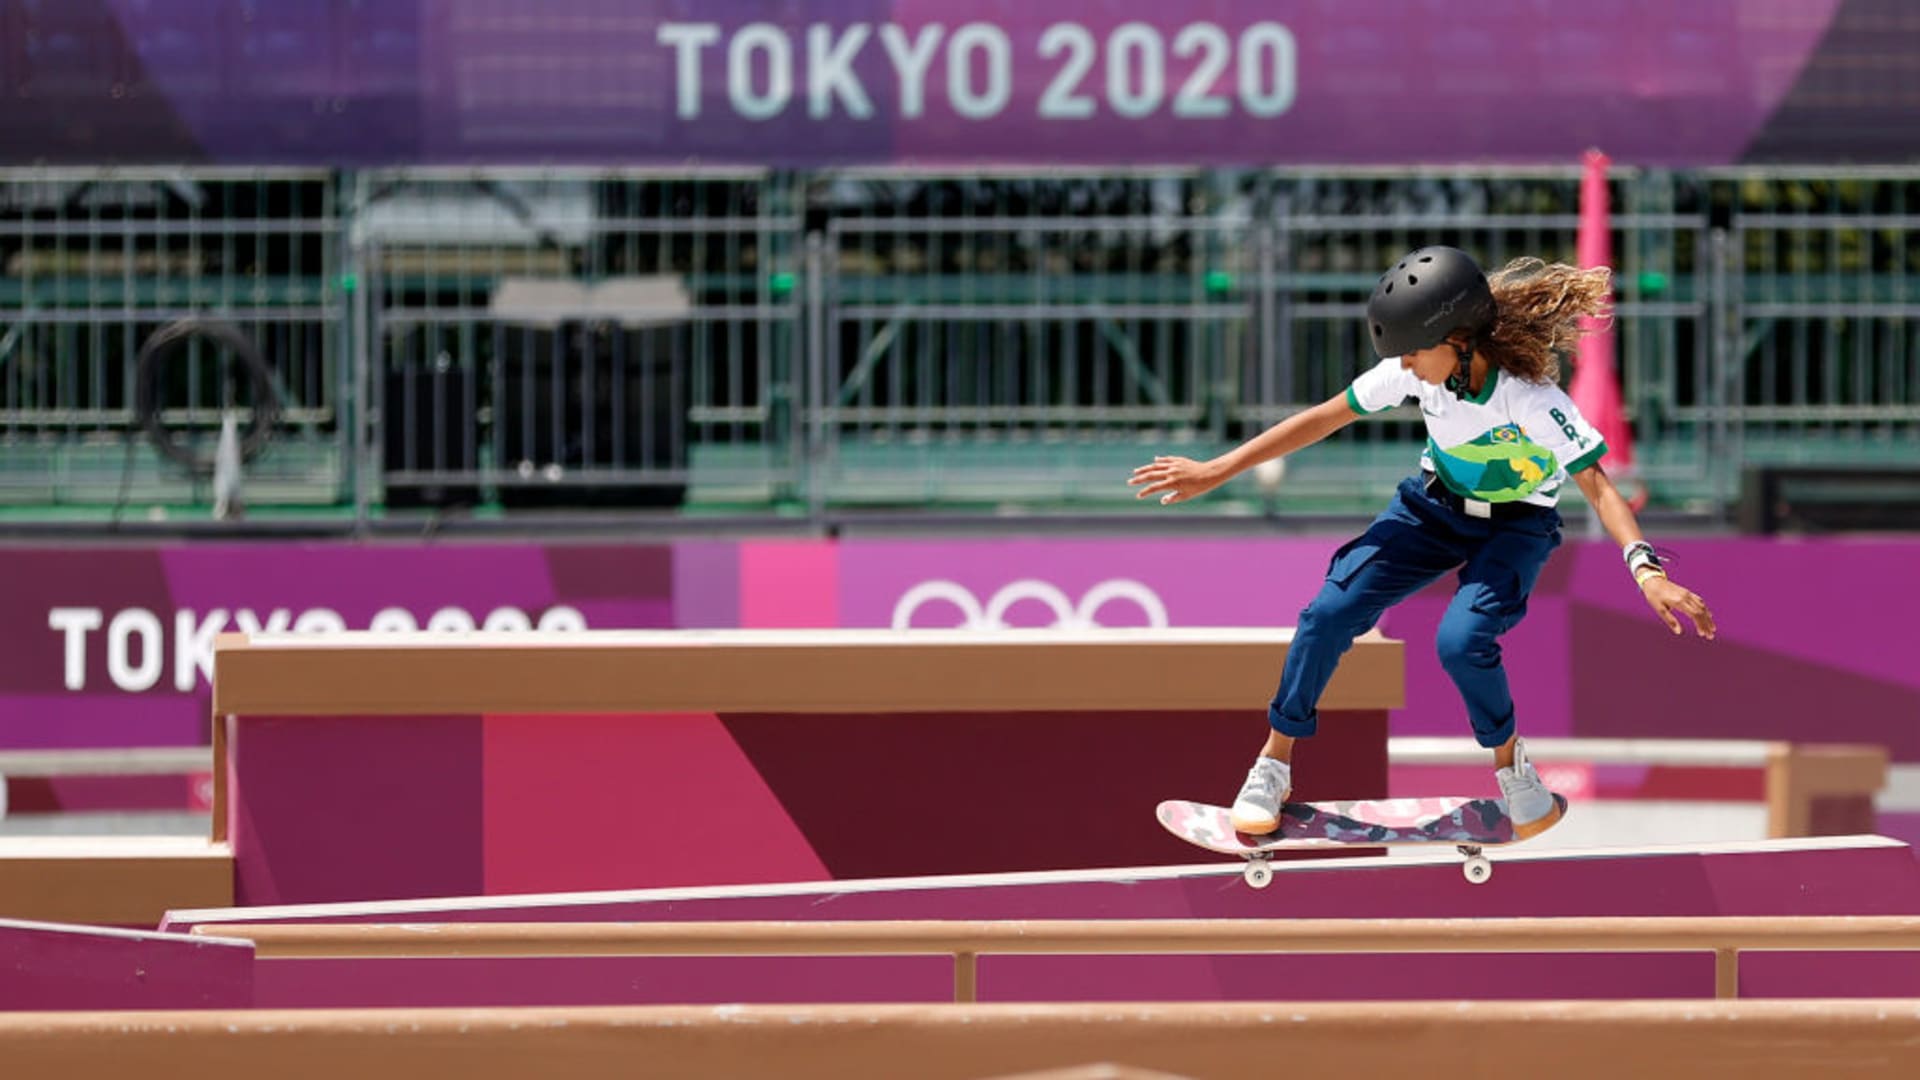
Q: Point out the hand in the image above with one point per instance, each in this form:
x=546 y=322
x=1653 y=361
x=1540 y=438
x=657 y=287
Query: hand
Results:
x=1180 y=478
x=1665 y=597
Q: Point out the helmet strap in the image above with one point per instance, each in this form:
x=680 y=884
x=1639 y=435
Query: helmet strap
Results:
x=1462 y=380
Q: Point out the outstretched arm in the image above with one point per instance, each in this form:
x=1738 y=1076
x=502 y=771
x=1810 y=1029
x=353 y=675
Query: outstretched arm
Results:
x=1184 y=478
x=1663 y=595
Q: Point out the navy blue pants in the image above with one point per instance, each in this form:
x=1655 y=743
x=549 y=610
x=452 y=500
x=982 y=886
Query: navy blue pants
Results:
x=1414 y=541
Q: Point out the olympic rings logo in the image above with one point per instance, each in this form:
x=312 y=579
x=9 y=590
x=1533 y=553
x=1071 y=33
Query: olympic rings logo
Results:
x=1067 y=615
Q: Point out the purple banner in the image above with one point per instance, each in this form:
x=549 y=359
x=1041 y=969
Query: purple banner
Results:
x=109 y=646
x=1589 y=660
x=825 y=82
x=112 y=646
x=991 y=584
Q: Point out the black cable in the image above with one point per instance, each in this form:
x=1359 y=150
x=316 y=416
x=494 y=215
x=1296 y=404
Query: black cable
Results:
x=149 y=373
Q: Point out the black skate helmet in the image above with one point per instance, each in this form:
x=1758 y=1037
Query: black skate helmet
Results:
x=1426 y=296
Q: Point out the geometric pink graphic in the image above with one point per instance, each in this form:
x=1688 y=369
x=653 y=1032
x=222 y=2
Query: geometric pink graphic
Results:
x=789 y=584
x=630 y=801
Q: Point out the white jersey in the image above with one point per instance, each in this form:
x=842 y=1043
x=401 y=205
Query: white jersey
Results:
x=1513 y=441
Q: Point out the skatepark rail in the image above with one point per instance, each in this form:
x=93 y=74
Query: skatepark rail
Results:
x=966 y=941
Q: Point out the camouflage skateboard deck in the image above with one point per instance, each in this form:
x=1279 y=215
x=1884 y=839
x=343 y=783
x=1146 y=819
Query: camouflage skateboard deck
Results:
x=1468 y=824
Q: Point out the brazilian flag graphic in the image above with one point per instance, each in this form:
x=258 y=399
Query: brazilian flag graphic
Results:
x=1499 y=466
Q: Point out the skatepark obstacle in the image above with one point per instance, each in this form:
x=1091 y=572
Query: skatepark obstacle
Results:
x=966 y=941
x=1489 y=1040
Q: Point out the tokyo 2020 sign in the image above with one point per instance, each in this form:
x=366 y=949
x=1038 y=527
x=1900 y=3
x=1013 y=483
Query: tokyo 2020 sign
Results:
x=811 y=83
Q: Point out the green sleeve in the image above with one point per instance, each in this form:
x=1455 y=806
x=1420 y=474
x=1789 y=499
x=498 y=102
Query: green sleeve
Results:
x=1353 y=402
x=1588 y=459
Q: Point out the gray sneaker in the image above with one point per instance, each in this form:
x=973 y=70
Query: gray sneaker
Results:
x=1529 y=804
x=1256 y=810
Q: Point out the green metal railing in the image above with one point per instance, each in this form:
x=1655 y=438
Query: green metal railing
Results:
x=744 y=340
x=93 y=261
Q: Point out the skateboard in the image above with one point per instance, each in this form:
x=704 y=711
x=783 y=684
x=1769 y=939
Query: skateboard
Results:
x=1468 y=824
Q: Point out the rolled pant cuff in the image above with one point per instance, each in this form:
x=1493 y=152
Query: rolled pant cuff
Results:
x=1293 y=729
x=1498 y=736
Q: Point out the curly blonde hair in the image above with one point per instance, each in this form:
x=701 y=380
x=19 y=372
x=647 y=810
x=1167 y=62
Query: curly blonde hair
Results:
x=1541 y=306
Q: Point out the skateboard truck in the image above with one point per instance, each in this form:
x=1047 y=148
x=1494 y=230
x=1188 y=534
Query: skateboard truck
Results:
x=1477 y=869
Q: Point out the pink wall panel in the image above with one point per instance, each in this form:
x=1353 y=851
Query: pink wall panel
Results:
x=790 y=584
x=595 y=802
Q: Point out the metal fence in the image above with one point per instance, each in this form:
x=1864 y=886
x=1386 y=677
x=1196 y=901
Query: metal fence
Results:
x=971 y=358
x=93 y=262
x=1823 y=309
x=1330 y=237
x=748 y=339
x=542 y=339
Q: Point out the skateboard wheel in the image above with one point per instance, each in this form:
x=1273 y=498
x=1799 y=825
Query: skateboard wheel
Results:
x=1258 y=874
x=1478 y=869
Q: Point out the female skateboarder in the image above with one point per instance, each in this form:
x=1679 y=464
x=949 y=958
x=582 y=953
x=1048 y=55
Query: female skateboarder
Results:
x=1480 y=356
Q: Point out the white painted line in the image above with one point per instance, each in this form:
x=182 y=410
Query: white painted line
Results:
x=111 y=847
x=139 y=761
x=1716 y=753
x=117 y=933
x=602 y=639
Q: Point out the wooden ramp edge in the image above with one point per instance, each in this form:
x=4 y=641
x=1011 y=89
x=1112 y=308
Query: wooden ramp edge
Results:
x=1435 y=1040
x=449 y=908
x=111 y=880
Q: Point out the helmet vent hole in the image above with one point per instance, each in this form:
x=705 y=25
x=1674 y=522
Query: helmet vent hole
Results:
x=1411 y=280
x=1376 y=329
x=1389 y=286
x=1425 y=258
